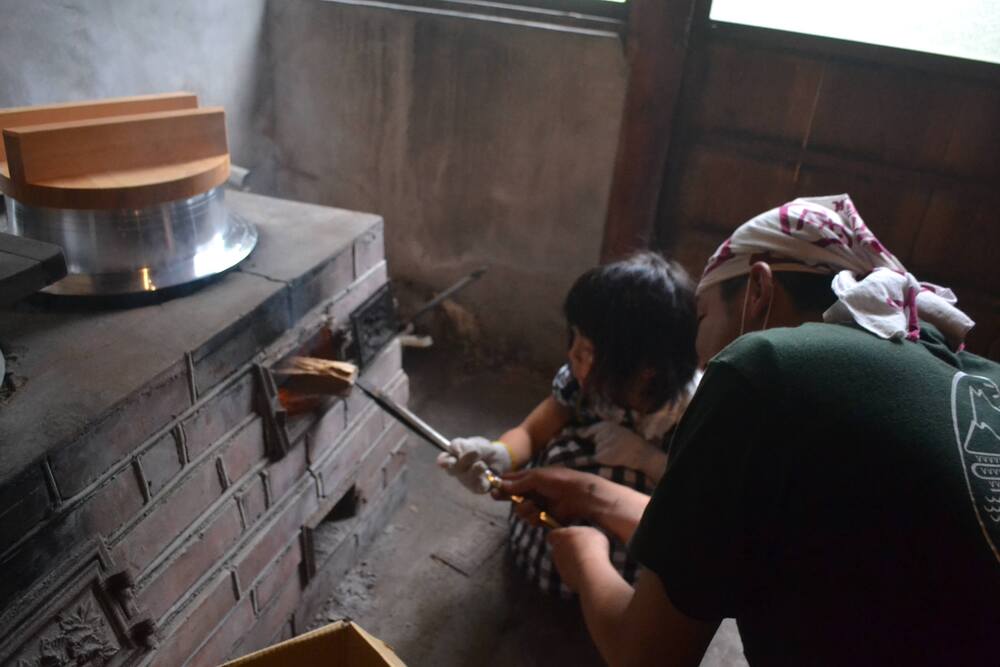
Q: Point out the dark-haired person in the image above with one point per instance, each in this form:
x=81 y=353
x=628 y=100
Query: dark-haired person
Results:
x=835 y=482
x=631 y=371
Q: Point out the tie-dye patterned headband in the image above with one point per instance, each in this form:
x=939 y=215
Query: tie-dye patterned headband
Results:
x=826 y=235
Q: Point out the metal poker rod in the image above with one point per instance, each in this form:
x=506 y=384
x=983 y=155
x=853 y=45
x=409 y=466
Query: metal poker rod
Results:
x=458 y=286
x=421 y=428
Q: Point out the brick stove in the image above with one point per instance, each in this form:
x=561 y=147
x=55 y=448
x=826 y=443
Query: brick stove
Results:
x=156 y=504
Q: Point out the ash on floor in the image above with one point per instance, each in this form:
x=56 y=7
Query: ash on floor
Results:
x=437 y=585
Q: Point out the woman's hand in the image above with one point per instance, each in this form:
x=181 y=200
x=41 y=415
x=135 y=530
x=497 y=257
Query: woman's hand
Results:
x=577 y=550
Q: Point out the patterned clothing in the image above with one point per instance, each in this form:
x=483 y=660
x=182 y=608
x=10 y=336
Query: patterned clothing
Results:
x=530 y=551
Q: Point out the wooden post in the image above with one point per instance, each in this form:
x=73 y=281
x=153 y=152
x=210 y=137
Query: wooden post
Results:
x=656 y=46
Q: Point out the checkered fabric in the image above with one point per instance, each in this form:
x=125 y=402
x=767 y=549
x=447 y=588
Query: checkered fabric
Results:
x=531 y=553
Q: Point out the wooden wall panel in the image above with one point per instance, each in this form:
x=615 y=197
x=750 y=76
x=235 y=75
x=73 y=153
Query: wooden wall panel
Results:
x=721 y=190
x=694 y=246
x=760 y=93
x=884 y=114
x=892 y=212
x=764 y=116
x=974 y=146
x=959 y=242
x=985 y=310
x=918 y=149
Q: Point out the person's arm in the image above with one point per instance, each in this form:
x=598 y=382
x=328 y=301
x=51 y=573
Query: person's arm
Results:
x=629 y=626
x=617 y=445
x=470 y=458
x=538 y=428
x=571 y=494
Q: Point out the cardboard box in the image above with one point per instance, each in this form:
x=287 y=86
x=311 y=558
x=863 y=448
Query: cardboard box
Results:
x=340 y=644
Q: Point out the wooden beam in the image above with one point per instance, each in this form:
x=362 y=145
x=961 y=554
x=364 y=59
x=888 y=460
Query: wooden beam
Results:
x=656 y=48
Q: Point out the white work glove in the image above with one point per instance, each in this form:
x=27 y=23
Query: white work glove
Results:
x=472 y=457
x=616 y=445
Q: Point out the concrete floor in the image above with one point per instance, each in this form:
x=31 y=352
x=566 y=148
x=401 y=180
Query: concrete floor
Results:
x=437 y=585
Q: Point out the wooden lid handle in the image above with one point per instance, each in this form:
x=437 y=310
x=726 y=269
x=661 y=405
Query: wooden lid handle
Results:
x=71 y=111
x=40 y=154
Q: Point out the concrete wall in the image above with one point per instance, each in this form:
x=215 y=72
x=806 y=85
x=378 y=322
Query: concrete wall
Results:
x=477 y=140
x=83 y=49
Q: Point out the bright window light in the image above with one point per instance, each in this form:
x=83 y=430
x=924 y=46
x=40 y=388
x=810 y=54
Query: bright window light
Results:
x=960 y=28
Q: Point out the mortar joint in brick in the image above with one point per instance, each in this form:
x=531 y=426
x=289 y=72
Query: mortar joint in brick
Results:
x=140 y=477
x=266 y=481
x=237 y=590
x=182 y=448
x=244 y=521
x=191 y=382
x=317 y=480
x=180 y=442
x=220 y=468
x=50 y=483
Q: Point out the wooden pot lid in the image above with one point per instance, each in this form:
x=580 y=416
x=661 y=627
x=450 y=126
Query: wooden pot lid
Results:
x=111 y=154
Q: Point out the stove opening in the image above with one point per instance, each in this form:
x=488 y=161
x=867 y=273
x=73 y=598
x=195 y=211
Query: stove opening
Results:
x=302 y=410
x=329 y=532
x=345 y=508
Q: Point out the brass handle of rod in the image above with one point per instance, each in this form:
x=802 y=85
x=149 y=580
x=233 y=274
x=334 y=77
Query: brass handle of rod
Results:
x=544 y=517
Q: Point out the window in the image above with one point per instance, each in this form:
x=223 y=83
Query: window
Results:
x=960 y=28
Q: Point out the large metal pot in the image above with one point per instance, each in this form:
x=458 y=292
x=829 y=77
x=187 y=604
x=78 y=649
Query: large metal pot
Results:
x=126 y=251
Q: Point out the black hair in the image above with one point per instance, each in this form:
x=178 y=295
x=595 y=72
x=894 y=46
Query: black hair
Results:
x=809 y=291
x=640 y=314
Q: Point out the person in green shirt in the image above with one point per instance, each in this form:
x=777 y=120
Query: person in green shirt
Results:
x=834 y=484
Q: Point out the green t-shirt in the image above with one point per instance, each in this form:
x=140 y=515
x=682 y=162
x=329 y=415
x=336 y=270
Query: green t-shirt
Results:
x=839 y=495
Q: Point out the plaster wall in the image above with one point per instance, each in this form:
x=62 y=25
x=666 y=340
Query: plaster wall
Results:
x=479 y=141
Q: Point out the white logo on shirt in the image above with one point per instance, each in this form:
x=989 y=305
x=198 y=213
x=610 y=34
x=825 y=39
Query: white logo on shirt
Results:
x=975 y=412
